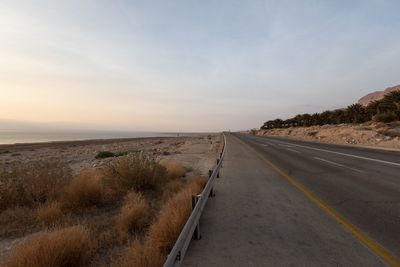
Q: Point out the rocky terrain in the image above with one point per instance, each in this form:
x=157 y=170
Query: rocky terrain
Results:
x=378 y=95
x=366 y=134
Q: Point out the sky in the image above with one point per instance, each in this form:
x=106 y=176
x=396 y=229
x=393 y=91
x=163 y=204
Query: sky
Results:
x=190 y=65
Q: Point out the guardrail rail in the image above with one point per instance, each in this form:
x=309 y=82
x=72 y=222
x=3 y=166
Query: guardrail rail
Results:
x=191 y=228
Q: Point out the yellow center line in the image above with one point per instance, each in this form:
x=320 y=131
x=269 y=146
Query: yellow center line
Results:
x=376 y=248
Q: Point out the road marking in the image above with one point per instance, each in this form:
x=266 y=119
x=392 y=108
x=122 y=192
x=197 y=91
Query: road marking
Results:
x=376 y=248
x=349 y=155
x=263 y=143
x=298 y=152
x=284 y=145
x=338 y=164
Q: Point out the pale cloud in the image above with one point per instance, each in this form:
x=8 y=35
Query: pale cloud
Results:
x=189 y=65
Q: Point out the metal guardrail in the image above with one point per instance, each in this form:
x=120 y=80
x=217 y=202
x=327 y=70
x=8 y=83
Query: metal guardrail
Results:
x=178 y=252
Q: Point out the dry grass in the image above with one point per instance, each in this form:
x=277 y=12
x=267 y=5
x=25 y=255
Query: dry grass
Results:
x=142 y=255
x=197 y=184
x=173 y=216
x=174 y=169
x=49 y=214
x=67 y=247
x=171 y=188
x=17 y=222
x=35 y=182
x=133 y=216
x=135 y=172
x=86 y=189
x=37 y=194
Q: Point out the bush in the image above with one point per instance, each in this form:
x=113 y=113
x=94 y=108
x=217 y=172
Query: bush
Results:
x=104 y=154
x=174 y=169
x=173 y=216
x=142 y=255
x=197 y=184
x=49 y=214
x=253 y=131
x=390 y=133
x=31 y=183
x=134 y=214
x=120 y=154
x=86 y=189
x=135 y=172
x=171 y=188
x=108 y=154
x=67 y=247
x=385 y=117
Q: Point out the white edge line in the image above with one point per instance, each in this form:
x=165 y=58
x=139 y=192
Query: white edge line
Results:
x=338 y=164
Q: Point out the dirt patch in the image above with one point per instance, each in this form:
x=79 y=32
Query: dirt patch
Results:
x=82 y=154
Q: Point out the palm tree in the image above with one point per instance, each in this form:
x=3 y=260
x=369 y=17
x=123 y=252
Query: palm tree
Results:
x=356 y=113
x=391 y=102
x=372 y=109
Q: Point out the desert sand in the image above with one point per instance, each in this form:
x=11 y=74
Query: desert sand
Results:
x=195 y=152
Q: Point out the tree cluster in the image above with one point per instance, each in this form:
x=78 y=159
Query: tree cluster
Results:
x=384 y=110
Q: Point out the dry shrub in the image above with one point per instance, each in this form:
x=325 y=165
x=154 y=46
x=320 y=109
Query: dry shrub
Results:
x=49 y=214
x=135 y=172
x=174 y=169
x=173 y=216
x=166 y=229
x=197 y=184
x=86 y=189
x=171 y=188
x=134 y=214
x=17 y=222
x=67 y=247
x=31 y=183
x=142 y=255
x=385 y=117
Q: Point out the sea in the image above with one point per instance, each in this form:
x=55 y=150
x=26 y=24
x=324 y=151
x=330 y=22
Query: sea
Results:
x=16 y=137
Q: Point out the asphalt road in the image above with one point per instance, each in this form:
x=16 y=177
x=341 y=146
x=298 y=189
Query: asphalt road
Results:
x=260 y=218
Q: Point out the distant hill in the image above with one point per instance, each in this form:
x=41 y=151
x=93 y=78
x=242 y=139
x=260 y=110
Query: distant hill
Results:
x=378 y=95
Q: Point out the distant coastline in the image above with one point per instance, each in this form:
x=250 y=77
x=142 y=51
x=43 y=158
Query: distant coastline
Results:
x=10 y=137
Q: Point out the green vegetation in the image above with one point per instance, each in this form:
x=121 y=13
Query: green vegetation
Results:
x=109 y=154
x=384 y=110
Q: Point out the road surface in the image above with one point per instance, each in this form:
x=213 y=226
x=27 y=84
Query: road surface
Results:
x=282 y=202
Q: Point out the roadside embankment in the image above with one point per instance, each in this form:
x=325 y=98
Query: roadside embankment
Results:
x=384 y=135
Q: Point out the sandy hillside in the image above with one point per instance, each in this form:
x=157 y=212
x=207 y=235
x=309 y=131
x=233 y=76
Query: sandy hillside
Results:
x=367 y=134
x=378 y=95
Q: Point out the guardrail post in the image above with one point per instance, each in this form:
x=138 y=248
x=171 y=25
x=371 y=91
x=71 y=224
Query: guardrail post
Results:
x=212 y=189
x=218 y=160
x=196 y=234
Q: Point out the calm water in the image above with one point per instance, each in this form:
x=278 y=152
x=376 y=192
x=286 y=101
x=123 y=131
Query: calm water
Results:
x=12 y=137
